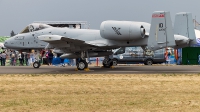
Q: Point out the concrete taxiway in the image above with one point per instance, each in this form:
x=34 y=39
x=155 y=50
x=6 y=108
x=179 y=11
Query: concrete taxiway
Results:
x=133 y=69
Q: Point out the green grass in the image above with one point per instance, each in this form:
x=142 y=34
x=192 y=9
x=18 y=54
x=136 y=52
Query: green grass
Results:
x=2 y=39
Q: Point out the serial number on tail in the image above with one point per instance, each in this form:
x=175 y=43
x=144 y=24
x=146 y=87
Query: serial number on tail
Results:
x=158 y=15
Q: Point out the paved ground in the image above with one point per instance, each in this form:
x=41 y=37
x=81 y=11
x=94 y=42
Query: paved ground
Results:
x=133 y=69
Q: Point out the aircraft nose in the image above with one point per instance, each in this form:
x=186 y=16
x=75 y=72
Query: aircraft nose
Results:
x=7 y=43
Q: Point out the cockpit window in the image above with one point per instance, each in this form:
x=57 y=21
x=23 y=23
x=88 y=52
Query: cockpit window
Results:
x=35 y=27
x=26 y=30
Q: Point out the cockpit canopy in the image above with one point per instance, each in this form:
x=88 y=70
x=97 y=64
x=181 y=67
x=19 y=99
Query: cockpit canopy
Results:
x=35 y=27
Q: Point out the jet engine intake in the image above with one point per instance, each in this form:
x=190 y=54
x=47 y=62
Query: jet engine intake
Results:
x=122 y=30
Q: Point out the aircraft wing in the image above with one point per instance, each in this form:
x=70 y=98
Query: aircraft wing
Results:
x=54 y=39
x=57 y=41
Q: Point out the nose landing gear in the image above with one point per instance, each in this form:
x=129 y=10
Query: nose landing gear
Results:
x=36 y=64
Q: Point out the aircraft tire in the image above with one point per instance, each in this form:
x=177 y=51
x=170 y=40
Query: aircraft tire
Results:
x=149 y=62
x=36 y=64
x=81 y=65
x=108 y=65
x=115 y=62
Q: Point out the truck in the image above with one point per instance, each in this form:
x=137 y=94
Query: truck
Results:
x=133 y=55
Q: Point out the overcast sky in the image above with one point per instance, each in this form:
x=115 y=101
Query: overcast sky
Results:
x=17 y=14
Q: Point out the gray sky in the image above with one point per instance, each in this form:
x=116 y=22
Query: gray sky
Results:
x=17 y=14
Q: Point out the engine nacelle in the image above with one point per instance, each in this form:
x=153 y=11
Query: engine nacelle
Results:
x=122 y=30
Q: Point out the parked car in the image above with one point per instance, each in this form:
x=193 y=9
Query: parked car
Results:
x=131 y=55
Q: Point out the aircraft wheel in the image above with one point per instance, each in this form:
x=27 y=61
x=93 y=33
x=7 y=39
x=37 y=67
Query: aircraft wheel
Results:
x=114 y=62
x=36 y=64
x=107 y=65
x=82 y=65
x=149 y=62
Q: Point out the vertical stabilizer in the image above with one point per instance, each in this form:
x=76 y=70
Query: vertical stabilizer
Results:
x=184 y=26
x=161 y=31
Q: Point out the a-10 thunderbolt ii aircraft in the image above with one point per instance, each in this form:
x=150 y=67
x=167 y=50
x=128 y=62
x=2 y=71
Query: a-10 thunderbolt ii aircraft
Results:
x=84 y=43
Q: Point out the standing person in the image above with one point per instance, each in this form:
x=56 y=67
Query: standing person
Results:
x=169 y=56
x=42 y=52
x=22 y=55
x=0 y=58
x=12 y=58
x=3 y=55
x=37 y=56
x=47 y=57
x=166 y=55
x=32 y=58
x=20 y=59
x=15 y=60
x=199 y=59
x=26 y=57
x=50 y=57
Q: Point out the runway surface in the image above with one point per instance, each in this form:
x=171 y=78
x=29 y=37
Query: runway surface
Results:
x=133 y=69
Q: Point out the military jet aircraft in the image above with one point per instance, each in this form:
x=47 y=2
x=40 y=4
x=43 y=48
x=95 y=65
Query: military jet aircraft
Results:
x=85 y=43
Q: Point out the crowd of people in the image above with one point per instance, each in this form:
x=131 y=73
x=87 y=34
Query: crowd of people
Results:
x=18 y=58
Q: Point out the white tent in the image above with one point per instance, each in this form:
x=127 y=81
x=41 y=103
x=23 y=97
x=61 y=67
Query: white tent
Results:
x=1 y=44
x=197 y=32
